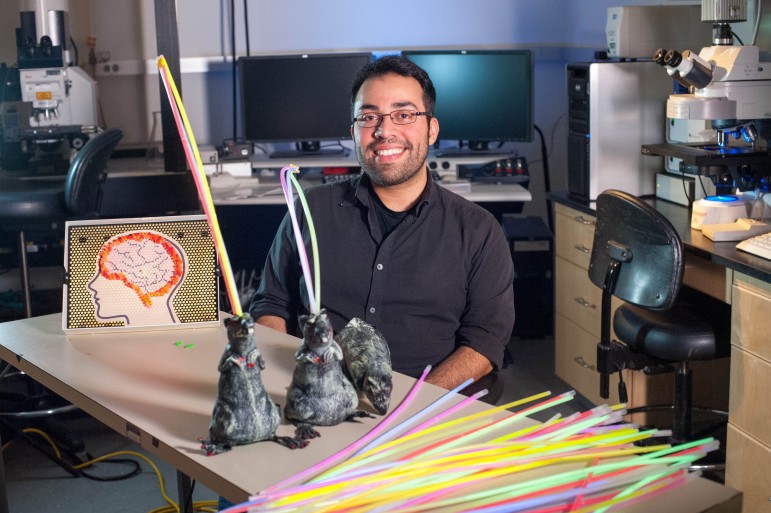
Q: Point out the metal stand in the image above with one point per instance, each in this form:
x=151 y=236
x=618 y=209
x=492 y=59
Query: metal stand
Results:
x=184 y=493
x=24 y=273
x=3 y=493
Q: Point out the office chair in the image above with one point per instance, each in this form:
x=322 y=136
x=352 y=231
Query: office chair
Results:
x=33 y=204
x=638 y=257
x=29 y=204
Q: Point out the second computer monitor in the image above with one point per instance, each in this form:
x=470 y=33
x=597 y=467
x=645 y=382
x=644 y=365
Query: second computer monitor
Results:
x=304 y=99
x=483 y=96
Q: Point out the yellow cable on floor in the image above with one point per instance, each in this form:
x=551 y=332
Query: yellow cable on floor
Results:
x=41 y=433
x=171 y=507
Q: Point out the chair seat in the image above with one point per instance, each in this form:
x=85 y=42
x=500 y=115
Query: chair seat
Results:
x=31 y=201
x=678 y=334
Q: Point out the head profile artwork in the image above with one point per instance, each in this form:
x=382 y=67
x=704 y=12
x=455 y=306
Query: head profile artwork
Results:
x=137 y=274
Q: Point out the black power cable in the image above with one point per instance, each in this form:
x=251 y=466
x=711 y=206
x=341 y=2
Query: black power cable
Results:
x=46 y=451
x=233 y=45
x=546 y=179
x=246 y=26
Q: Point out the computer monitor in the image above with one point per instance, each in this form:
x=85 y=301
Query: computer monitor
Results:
x=483 y=96
x=303 y=99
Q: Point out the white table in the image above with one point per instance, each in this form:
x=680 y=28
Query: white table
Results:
x=160 y=394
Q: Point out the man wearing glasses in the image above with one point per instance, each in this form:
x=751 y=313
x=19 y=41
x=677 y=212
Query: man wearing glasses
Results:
x=429 y=269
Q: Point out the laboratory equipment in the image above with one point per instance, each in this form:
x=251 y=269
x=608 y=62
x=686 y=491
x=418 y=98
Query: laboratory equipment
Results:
x=613 y=108
x=718 y=209
x=636 y=31
x=730 y=87
x=739 y=230
x=48 y=107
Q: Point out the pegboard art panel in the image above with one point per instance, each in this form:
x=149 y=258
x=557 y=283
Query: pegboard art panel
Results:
x=146 y=273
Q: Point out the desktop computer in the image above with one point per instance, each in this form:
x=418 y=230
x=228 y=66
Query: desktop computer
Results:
x=613 y=109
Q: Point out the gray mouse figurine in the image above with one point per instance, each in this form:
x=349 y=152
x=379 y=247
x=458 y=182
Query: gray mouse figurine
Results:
x=367 y=362
x=320 y=394
x=244 y=412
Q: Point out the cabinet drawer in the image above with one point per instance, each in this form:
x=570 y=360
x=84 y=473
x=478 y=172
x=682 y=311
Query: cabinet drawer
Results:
x=574 y=233
x=576 y=364
x=748 y=468
x=578 y=299
x=749 y=407
x=576 y=360
x=707 y=277
x=750 y=312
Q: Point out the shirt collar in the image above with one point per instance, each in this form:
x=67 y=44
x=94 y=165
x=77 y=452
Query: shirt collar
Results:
x=361 y=188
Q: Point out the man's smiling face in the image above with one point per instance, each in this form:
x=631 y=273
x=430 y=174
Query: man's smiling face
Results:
x=392 y=154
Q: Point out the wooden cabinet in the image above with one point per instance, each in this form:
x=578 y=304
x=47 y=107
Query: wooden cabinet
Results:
x=748 y=466
x=577 y=307
x=577 y=324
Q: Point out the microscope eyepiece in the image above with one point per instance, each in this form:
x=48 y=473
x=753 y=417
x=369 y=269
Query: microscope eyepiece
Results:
x=658 y=56
x=673 y=58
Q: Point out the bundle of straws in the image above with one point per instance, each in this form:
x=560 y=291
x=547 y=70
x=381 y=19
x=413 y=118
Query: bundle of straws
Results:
x=489 y=462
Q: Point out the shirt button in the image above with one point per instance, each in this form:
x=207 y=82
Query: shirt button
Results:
x=379 y=267
x=372 y=310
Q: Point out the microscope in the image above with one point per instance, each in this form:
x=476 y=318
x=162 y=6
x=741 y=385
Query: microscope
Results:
x=729 y=93
x=48 y=106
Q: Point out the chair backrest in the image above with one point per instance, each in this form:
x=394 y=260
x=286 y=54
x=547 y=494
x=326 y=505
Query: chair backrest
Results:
x=652 y=276
x=83 y=186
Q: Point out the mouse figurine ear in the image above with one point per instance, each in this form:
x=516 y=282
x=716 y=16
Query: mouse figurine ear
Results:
x=233 y=326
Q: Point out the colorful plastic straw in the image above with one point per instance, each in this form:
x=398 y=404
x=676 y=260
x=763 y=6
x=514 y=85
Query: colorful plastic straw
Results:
x=312 y=286
x=201 y=183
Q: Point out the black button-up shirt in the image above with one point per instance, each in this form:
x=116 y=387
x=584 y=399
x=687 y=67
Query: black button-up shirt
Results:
x=442 y=278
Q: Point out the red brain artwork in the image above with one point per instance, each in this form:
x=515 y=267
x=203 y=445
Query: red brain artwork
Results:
x=146 y=262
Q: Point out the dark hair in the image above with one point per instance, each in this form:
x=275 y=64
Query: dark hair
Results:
x=401 y=66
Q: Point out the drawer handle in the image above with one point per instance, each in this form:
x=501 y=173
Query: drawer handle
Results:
x=583 y=220
x=582 y=248
x=580 y=361
x=583 y=302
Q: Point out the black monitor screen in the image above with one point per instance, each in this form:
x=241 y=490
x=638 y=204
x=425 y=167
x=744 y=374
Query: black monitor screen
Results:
x=298 y=98
x=481 y=96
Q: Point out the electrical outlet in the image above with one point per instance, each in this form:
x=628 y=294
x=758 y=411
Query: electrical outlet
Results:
x=116 y=68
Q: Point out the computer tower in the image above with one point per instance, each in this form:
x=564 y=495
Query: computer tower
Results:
x=614 y=108
x=532 y=250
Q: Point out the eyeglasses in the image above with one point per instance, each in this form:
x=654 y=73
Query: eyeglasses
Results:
x=398 y=117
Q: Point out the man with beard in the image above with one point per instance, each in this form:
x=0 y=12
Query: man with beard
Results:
x=427 y=268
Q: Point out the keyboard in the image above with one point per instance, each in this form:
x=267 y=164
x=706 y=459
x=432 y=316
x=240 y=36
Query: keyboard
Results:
x=759 y=245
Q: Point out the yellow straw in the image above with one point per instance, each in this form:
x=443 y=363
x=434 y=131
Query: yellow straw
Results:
x=196 y=166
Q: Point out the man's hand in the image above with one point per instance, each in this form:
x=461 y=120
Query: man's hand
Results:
x=462 y=364
x=272 y=322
